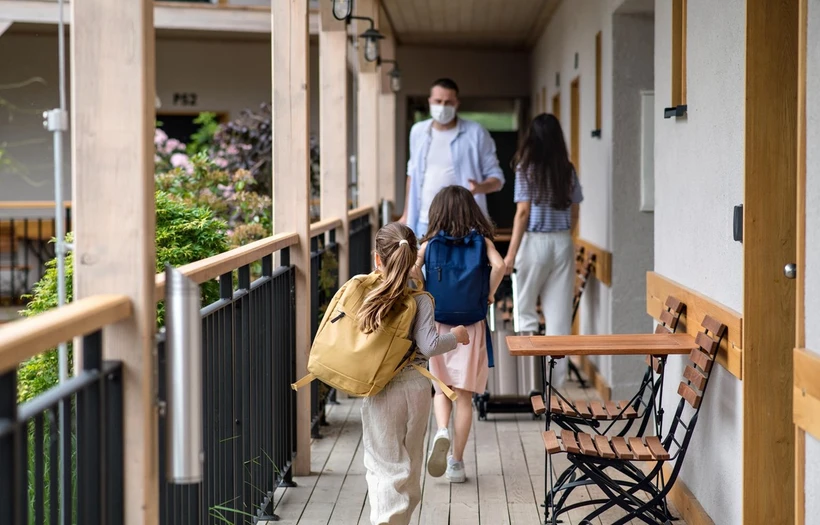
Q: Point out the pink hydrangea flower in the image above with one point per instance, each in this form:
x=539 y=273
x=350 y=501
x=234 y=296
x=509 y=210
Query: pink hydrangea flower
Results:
x=181 y=160
x=159 y=137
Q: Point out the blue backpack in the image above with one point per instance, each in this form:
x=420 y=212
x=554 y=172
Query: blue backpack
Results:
x=458 y=278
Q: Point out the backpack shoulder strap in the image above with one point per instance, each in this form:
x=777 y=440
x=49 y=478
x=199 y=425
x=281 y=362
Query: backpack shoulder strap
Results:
x=446 y=390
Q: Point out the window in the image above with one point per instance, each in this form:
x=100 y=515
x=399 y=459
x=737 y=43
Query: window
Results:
x=678 y=53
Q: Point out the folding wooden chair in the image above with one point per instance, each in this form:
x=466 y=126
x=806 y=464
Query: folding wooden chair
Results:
x=608 y=461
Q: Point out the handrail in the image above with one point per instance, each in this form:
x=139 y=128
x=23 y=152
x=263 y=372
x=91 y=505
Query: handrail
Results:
x=359 y=212
x=320 y=227
x=22 y=339
x=213 y=267
x=30 y=205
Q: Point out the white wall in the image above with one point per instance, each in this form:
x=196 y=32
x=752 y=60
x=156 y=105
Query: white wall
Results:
x=812 y=270
x=698 y=178
x=632 y=230
x=572 y=30
x=228 y=76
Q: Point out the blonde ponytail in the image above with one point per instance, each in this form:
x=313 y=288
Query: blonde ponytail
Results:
x=396 y=246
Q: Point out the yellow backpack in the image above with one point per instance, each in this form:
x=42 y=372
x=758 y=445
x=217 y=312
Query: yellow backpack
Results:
x=360 y=364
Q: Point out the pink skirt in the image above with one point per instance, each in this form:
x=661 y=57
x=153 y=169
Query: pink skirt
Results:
x=466 y=367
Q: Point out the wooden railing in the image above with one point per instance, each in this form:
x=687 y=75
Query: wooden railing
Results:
x=74 y=428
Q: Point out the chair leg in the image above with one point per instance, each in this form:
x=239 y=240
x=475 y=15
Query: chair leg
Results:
x=574 y=370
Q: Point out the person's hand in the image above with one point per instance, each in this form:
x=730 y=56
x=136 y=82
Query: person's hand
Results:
x=509 y=262
x=475 y=187
x=491 y=299
x=403 y=219
x=461 y=334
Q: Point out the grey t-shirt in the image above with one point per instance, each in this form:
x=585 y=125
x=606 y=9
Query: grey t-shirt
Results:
x=428 y=341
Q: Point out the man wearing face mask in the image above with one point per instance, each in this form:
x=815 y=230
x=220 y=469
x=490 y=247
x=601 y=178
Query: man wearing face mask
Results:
x=444 y=151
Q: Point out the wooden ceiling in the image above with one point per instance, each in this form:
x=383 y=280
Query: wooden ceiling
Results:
x=490 y=24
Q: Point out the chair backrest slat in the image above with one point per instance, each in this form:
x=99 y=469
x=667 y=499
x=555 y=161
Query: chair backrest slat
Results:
x=691 y=397
x=696 y=378
x=706 y=343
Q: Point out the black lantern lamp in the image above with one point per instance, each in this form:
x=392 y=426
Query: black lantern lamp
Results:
x=371 y=40
x=395 y=74
x=342 y=9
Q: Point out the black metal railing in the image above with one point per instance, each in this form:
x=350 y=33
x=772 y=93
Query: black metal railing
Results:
x=324 y=282
x=361 y=245
x=25 y=248
x=248 y=345
x=70 y=435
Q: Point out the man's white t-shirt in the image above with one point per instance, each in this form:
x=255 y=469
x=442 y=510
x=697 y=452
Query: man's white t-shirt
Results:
x=439 y=172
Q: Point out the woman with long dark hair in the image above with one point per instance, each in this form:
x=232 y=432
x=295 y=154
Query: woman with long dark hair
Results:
x=541 y=248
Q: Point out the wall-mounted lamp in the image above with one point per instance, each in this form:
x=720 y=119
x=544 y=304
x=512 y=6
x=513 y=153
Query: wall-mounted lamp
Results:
x=395 y=73
x=342 y=9
x=371 y=39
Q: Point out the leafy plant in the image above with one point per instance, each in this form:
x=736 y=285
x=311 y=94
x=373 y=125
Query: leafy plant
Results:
x=184 y=233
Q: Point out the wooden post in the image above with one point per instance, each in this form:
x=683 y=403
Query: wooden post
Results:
x=368 y=116
x=333 y=128
x=387 y=123
x=112 y=155
x=291 y=181
x=769 y=243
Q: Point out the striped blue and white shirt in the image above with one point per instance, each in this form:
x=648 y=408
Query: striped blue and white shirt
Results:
x=544 y=218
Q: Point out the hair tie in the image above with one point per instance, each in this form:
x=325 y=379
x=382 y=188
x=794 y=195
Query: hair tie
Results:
x=404 y=241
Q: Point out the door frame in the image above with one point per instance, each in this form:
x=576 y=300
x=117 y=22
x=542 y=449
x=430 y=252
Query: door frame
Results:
x=800 y=300
x=769 y=243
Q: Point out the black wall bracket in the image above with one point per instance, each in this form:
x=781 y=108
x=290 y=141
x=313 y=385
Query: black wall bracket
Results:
x=596 y=133
x=737 y=224
x=675 y=111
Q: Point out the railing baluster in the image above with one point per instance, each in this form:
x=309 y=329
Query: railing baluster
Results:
x=114 y=475
x=8 y=477
x=54 y=466
x=39 y=471
x=89 y=421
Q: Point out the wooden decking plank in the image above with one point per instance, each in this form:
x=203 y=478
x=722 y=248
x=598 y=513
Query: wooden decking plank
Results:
x=435 y=500
x=326 y=494
x=492 y=501
x=464 y=509
x=291 y=503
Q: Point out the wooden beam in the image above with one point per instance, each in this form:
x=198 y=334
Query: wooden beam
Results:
x=387 y=127
x=167 y=15
x=768 y=244
x=800 y=216
x=328 y=22
x=698 y=306
x=367 y=120
x=370 y=9
x=807 y=391
x=602 y=269
x=690 y=509
x=333 y=139
x=112 y=156
x=291 y=181
x=28 y=337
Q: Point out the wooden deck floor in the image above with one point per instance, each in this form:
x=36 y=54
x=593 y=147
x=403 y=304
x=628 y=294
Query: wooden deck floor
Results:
x=504 y=463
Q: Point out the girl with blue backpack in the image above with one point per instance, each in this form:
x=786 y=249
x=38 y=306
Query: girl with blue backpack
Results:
x=463 y=270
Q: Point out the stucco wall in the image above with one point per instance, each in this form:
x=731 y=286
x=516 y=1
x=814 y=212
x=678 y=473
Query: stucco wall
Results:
x=812 y=270
x=698 y=178
x=228 y=76
x=479 y=73
x=632 y=230
x=572 y=30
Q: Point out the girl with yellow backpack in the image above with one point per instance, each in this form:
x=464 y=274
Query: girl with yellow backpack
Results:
x=374 y=342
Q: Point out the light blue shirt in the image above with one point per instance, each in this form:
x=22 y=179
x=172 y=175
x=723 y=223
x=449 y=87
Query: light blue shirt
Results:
x=474 y=158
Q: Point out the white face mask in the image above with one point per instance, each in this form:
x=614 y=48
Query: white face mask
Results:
x=442 y=114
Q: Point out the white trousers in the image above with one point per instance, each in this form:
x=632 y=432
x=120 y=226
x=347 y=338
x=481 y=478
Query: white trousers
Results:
x=545 y=267
x=394 y=423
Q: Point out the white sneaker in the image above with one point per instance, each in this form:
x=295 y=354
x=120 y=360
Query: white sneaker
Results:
x=437 y=460
x=455 y=471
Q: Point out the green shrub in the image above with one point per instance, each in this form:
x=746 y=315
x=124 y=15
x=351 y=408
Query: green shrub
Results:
x=184 y=234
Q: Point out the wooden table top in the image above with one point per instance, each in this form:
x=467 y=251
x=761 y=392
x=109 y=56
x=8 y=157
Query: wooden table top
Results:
x=617 y=344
